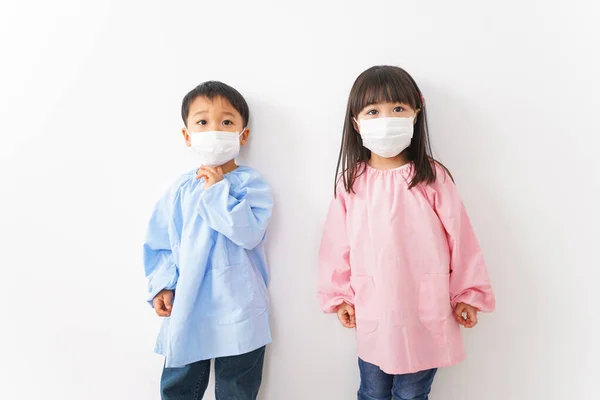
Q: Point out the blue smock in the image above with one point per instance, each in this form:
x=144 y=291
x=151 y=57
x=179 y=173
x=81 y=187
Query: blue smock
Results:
x=208 y=246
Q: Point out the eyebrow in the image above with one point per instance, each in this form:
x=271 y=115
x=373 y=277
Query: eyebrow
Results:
x=205 y=111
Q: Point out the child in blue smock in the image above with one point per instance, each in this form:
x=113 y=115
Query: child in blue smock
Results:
x=204 y=256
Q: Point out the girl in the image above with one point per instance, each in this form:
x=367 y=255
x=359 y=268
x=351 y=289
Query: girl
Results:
x=398 y=255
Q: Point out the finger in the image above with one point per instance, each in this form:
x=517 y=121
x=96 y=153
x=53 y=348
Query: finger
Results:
x=472 y=318
x=210 y=170
x=168 y=301
x=162 y=310
x=350 y=310
x=210 y=177
x=472 y=314
x=163 y=313
x=207 y=170
x=345 y=319
x=157 y=303
x=352 y=315
x=159 y=307
x=219 y=171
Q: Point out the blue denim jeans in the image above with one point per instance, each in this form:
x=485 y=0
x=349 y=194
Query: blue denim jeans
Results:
x=236 y=378
x=377 y=385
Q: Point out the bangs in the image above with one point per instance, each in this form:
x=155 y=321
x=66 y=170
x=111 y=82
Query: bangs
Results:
x=383 y=85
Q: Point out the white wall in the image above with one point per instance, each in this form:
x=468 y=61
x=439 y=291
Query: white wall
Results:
x=89 y=117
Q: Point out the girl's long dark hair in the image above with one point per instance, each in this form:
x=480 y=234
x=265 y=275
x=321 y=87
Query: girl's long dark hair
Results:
x=382 y=84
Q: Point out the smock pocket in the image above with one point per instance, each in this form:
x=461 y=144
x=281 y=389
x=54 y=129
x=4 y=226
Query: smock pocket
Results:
x=365 y=303
x=434 y=301
x=226 y=294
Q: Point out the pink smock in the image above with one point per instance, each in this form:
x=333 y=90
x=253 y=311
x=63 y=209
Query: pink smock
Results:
x=404 y=258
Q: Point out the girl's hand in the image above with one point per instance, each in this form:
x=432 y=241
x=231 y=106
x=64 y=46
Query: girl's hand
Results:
x=212 y=175
x=163 y=303
x=345 y=313
x=466 y=315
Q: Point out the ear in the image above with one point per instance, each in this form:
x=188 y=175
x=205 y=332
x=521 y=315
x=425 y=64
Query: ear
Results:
x=244 y=137
x=356 y=126
x=416 y=114
x=186 y=137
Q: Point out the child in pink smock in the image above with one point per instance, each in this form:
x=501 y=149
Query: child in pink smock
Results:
x=399 y=260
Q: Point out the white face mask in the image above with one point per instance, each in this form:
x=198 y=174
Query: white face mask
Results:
x=216 y=147
x=386 y=137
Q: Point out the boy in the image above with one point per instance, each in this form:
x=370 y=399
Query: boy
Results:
x=204 y=257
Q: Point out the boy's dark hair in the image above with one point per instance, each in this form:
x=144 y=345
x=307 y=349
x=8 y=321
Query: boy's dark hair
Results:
x=212 y=89
x=384 y=84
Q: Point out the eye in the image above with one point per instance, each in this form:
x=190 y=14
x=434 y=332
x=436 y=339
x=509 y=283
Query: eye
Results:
x=227 y=122
x=373 y=112
x=399 y=109
x=201 y=122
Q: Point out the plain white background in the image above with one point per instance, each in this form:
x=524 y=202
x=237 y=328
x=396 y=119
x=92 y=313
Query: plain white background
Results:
x=90 y=96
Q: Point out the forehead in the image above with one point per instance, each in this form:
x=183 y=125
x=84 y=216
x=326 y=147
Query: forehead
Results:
x=217 y=104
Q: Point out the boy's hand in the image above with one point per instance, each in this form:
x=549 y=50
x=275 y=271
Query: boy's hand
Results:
x=212 y=175
x=345 y=313
x=466 y=315
x=163 y=303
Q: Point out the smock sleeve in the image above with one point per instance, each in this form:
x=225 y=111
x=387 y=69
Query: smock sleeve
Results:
x=334 y=258
x=469 y=280
x=242 y=214
x=162 y=236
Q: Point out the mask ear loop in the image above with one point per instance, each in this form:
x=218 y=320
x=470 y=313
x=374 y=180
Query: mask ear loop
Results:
x=242 y=132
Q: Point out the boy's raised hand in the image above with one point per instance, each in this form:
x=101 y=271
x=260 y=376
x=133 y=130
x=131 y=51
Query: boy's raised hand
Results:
x=466 y=315
x=212 y=175
x=345 y=313
x=163 y=303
